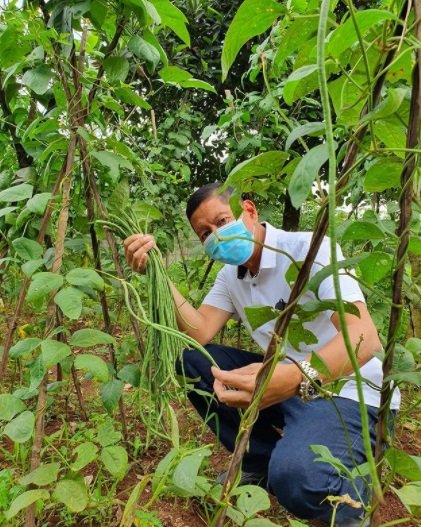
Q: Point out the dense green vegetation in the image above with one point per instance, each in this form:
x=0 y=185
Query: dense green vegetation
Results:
x=114 y=110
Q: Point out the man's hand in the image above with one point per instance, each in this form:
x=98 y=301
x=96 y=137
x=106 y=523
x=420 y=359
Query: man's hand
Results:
x=235 y=388
x=136 y=248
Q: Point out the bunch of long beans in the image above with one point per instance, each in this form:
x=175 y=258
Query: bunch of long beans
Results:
x=164 y=342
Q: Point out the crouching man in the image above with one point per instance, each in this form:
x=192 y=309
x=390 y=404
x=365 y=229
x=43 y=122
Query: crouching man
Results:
x=292 y=416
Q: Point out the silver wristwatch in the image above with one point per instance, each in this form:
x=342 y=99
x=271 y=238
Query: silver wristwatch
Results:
x=308 y=388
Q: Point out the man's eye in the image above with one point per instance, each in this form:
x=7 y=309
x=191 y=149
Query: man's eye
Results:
x=223 y=221
x=204 y=236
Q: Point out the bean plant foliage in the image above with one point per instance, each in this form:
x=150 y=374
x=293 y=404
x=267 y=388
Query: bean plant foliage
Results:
x=111 y=113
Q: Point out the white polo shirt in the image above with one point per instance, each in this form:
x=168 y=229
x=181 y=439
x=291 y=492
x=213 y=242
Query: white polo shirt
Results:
x=235 y=289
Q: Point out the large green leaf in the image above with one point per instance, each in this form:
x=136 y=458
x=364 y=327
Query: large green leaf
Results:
x=20 y=429
x=43 y=475
x=185 y=473
x=302 y=81
x=110 y=394
x=84 y=277
x=27 y=249
x=115 y=460
x=128 y=96
x=113 y=162
x=362 y=231
x=69 y=300
x=130 y=373
x=252 y=18
x=260 y=165
x=86 y=453
x=24 y=347
x=327 y=270
x=383 y=174
x=172 y=17
x=259 y=315
x=375 y=267
x=38 y=79
x=346 y=35
x=10 y=406
x=146 y=211
x=178 y=76
x=305 y=174
x=116 y=68
x=388 y=106
x=145 y=51
x=85 y=338
x=38 y=203
x=54 y=352
x=42 y=284
x=29 y=268
x=17 y=193
x=404 y=464
x=24 y=500
x=410 y=496
x=72 y=493
x=107 y=435
x=96 y=366
x=251 y=500
x=300 y=30
x=313 y=128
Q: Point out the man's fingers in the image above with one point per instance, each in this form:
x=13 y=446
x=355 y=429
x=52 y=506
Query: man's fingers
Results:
x=228 y=378
x=234 y=398
x=249 y=369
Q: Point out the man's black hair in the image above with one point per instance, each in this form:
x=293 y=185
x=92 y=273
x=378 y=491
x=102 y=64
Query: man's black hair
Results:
x=204 y=193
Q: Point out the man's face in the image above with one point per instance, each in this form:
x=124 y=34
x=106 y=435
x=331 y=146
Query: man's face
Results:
x=209 y=216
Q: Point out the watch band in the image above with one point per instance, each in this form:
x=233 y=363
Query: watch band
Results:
x=307 y=390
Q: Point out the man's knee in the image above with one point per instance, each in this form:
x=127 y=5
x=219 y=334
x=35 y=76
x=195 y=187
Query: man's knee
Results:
x=298 y=483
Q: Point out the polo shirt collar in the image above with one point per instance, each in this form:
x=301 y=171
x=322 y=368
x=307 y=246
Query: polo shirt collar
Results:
x=268 y=258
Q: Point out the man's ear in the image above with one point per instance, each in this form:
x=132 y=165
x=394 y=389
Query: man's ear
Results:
x=249 y=208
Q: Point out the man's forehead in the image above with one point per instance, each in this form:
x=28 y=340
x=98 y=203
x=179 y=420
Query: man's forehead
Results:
x=209 y=210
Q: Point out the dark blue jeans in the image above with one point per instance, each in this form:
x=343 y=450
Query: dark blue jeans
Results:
x=299 y=483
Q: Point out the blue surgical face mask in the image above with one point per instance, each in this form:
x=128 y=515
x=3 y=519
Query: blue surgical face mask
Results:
x=234 y=251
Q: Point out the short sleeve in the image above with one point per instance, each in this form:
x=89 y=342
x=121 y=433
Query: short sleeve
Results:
x=350 y=290
x=219 y=295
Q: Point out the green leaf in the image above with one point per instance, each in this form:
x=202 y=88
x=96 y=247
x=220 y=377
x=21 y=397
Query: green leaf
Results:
x=85 y=338
x=38 y=203
x=38 y=79
x=304 y=129
x=54 y=352
x=325 y=456
x=27 y=249
x=152 y=39
x=410 y=496
x=130 y=97
x=20 y=429
x=146 y=211
x=94 y=365
x=113 y=162
x=305 y=173
x=145 y=51
x=84 y=277
x=37 y=372
x=185 y=473
x=43 y=475
x=16 y=193
x=116 y=68
x=414 y=246
x=86 y=453
x=301 y=30
x=260 y=165
x=115 y=460
x=252 y=18
x=404 y=464
x=298 y=334
x=29 y=268
x=120 y=197
x=107 y=434
x=24 y=500
x=383 y=174
x=42 y=284
x=301 y=81
x=375 y=267
x=176 y=75
x=259 y=315
x=110 y=394
x=327 y=270
x=388 y=106
x=6 y=210
x=251 y=500
x=72 y=493
x=23 y=347
x=263 y=522
x=320 y=365
x=362 y=231
x=69 y=300
x=346 y=36
x=130 y=373
x=172 y=17
x=10 y=406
